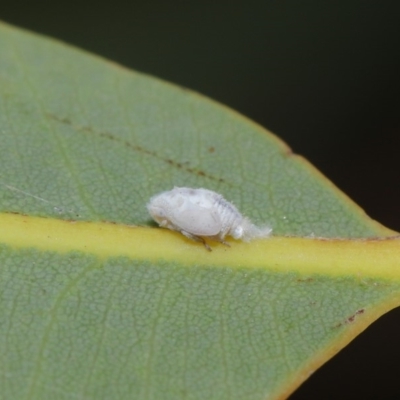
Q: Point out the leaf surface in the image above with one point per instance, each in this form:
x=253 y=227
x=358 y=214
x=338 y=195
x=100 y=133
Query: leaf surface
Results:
x=98 y=303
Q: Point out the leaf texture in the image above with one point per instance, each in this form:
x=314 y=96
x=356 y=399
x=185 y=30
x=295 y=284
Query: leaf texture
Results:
x=98 y=303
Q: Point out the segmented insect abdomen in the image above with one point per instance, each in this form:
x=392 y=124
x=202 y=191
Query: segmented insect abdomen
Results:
x=229 y=215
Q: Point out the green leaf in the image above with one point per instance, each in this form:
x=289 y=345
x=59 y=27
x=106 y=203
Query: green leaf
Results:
x=99 y=303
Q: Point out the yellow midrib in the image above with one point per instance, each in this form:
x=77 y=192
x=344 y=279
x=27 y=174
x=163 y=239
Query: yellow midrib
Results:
x=364 y=258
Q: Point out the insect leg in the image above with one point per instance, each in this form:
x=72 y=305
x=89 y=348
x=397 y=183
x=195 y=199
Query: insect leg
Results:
x=217 y=238
x=196 y=239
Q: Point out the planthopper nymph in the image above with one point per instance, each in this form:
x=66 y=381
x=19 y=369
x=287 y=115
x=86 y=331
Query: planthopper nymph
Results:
x=202 y=213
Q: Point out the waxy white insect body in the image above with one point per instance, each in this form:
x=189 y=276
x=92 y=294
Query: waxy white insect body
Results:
x=200 y=213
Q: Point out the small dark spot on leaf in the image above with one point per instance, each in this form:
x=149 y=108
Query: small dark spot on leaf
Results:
x=211 y=149
x=288 y=152
x=305 y=280
x=16 y=213
x=350 y=319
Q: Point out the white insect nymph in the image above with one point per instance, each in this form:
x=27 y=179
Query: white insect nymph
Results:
x=202 y=213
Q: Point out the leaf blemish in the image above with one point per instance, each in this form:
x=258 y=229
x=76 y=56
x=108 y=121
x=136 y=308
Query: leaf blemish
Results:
x=351 y=319
x=135 y=147
x=289 y=152
x=305 y=280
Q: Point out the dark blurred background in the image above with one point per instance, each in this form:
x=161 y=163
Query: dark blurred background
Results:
x=323 y=75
